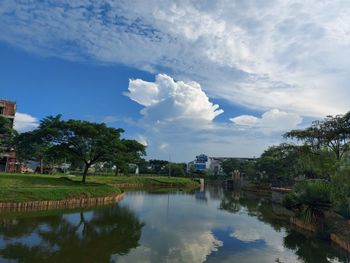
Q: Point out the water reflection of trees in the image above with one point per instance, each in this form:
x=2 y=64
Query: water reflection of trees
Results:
x=215 y=193
x=308 y=248
x=90 y=237
x=311 y=250
x=253 y=205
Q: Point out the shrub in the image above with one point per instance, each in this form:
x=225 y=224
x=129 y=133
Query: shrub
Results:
x=311 y=192
x=310 y=198
x=289 y=201
x=340 y=195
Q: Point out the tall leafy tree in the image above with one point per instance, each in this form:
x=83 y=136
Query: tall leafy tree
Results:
x=79 y=142
x=33 y=146
x=85 y=141
x=280 y=161
x=7 y=134
x=176 y=169
x=159 y=166
x=128 y=151
x=230 y=165
x=332 y=133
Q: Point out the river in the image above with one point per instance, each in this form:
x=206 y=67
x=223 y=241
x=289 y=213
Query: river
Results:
x=201 y=226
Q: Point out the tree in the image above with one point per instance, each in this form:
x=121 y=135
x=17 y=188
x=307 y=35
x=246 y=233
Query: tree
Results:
x=82 y=140
x=230 y=165
x=332 y=133
x=129 y=151
x=32 y=146
x=177 y=169
x=280 y=162
x=159 y=166
x=7 y=134
x=245 y=167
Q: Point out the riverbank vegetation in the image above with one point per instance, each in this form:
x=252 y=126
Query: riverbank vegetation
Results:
x=314 y=162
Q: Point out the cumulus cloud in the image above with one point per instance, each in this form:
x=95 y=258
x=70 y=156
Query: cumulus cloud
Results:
x=179 y=119
x=25 y=122
x=166 y=100
x=287 y=54
x=272 y=120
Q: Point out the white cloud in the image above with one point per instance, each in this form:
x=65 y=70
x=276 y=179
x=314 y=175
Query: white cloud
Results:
x=25 y=122
x=287 y=54
x=247 y=120
x=166 y=100
x=142 y=139
x=163 y=146
x=272 y=120
x=179 y=119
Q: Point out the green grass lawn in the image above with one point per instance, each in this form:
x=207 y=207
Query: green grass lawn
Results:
x=25 y=187
x=138 y=180
x=30 y=187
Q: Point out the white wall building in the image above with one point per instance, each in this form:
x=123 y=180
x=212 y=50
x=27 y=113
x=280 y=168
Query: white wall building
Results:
x=203 y=163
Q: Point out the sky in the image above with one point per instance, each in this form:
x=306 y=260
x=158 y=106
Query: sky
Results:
x=224 y=78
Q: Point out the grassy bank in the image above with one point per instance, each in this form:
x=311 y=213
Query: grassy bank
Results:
x=22 y=188
x=142 y=181
x=26 y=187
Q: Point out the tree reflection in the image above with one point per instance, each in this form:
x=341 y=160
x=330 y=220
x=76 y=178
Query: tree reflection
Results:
x=259 y=207
x=311 y=250
x=308 y=248
x=89 y=237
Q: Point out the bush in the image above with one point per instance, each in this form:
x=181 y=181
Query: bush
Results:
x=289 y=201
x=312 y=192
x=340 y=195
x=309 y=199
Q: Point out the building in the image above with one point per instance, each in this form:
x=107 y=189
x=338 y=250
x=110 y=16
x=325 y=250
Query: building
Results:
x=204 y=163
x=8 y=159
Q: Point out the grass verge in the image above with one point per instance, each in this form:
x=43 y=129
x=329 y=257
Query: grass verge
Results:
x=30 y=187
x=24 y=188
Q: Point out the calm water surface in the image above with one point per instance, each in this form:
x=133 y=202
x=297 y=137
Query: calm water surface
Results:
x=210 y=226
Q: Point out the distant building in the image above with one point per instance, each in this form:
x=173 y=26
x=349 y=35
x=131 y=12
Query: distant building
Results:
x=203 y=163
x=8 y=159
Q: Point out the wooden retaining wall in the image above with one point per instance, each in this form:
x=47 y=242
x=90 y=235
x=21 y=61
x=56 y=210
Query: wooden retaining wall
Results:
x=68 y=203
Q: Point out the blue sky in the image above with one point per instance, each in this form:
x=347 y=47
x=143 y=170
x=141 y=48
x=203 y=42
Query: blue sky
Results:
x=225 y=78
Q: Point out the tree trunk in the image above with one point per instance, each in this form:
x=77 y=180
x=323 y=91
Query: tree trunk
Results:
x=41 y=165
x=86 y=168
